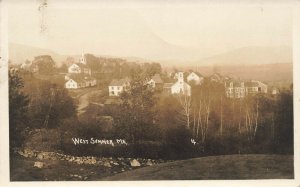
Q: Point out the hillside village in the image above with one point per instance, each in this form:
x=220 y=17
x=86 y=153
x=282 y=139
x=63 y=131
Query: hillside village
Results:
x=79 y=75
x=149 y=90
x=161 y=115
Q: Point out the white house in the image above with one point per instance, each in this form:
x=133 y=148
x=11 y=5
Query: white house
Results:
x=79 y=68
x=236 y=89
x=195 y=77
x=80 y=81
x=254 y=87
x=117 y=86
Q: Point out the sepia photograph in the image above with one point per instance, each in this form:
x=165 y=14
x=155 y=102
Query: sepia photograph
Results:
x=150 y=90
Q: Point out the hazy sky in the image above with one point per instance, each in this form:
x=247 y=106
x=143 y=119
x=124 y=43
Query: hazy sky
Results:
x=157 y=30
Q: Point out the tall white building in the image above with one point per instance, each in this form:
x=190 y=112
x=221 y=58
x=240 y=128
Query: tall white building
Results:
x=181 y=87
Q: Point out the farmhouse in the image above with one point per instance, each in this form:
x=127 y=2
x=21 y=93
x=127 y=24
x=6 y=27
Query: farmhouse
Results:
x=238 y=89
x=117 y=86
x=235 y=89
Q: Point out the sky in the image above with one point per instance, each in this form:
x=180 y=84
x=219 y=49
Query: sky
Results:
x=158 y=30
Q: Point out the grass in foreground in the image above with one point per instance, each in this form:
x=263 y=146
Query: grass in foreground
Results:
x=213 y=167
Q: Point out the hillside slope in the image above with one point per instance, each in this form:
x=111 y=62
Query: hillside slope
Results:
x=19 y=53
x=216 y=167
x=251 y=55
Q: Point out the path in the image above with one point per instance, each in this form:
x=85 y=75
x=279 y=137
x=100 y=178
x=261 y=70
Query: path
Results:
x=83 y=101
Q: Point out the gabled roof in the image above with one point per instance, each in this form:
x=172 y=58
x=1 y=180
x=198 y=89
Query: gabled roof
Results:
x=235 y=83
x=216 y=75
x=81 y=65
x=80 y=77
x=119 y=82
x=197 y=73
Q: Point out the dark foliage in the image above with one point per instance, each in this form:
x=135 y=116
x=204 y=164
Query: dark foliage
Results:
x=18 y=107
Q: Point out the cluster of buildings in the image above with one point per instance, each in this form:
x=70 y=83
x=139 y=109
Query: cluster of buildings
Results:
x=181 y=86
x=79 y=75
x=184 y=81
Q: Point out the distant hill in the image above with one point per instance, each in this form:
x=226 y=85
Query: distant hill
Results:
x=261 y=63
x=249 y=56
x=20 y=53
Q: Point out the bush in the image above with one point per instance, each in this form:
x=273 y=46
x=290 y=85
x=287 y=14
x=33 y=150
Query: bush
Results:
x=43 y=140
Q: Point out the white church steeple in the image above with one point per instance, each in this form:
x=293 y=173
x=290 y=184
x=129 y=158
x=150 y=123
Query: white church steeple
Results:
x=82 y=59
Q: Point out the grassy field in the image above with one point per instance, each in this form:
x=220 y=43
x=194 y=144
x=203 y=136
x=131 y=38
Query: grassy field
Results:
x=214 y=167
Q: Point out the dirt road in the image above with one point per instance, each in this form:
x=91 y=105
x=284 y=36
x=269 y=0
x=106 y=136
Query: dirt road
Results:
x=83 y=101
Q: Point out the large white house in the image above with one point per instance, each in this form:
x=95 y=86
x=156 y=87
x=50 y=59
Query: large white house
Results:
x=239 y=89
x=117 y=86
x=195 y=77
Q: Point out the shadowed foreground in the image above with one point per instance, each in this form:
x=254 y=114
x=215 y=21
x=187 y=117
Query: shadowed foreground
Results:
x=216 y=167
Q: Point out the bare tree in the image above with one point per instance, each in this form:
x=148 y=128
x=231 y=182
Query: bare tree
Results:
x=251 y=119
x=202 y=118
x=221 y=116
x=185 y=103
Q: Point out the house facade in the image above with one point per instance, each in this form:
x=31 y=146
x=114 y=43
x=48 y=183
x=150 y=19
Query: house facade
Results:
x=238 y=89
x=117 y=86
